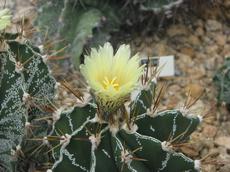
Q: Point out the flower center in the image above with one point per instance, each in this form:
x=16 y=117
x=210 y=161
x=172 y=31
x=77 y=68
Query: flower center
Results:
x=110 y=83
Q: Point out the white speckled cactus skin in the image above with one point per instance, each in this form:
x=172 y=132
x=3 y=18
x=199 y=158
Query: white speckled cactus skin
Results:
x=25 y=88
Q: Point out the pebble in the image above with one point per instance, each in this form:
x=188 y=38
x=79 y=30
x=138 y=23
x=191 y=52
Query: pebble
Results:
x=209 y=131
x=176 y=30
x=213 y=25
x=225 y=168
x=221 y=39
x=223 y=141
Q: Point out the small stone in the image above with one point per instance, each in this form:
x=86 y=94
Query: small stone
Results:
x=211 y=49
x=223 y=141
x=225 y=51
x=220 y=39
x=160 y=49
x=209 y=168
x=176 y=30
x=149 y=51
x=188 y=51
x=199 y=23
x=199 y=31
x=225 y=168
x=213 y=25
x=193 y=40
x=200 y=55
x=195 y=90
x=197 y=73
x=227 y=5
x=172 y=102
x=209 y=131
x=207 y=40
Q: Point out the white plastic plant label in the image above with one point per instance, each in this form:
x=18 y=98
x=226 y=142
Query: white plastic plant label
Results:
x=165 y=65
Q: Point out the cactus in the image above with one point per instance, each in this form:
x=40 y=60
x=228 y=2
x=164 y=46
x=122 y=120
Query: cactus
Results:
x=89 y=145
x=26 y=88
x=77 y=22
x=84 y=24
x=138 y=138
x=221 y=80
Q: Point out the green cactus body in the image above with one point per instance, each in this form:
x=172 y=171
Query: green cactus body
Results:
x=74 y=22
x=221 y=80
x=88 y=144
x=12 y=109
x=26 y=87
x=79 y=25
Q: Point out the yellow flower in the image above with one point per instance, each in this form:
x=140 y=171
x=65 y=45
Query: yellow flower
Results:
x=111 y=77
x=5 y=18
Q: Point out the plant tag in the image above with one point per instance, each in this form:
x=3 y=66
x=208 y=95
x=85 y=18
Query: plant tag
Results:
x=165 y=65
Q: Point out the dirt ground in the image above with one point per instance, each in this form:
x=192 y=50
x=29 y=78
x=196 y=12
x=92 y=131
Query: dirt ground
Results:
x=200 y=45
x=200 y=48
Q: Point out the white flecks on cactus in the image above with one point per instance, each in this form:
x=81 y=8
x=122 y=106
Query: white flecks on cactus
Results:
x=174 y=127
x=45 y=141
x=73 y=160
x=27 y=124
x=12 y=152
x=97 y=119
x=154 y=80
x=132 y=128
x=41 y=48
x=113 y=129
x=200 y=118
x=152 y=129
x=106 y=153
x=57 y=114
x=95 y=141
x=19 y=81
x=164 y=163
x=49 y=170
x=26 y=97
x=18 y=147
x=58 y=84
x=135 y=94
x=93 y=159
x=65 y=139
x=11 y=118
x=166 y=146
x=45 y=58
x=19 y=67
x=126 y=157
x=150 y=113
